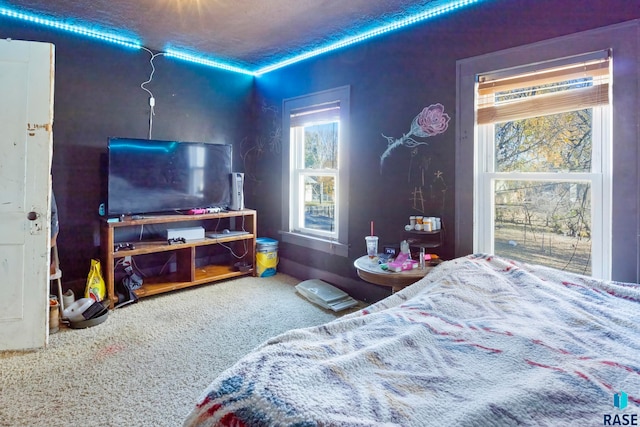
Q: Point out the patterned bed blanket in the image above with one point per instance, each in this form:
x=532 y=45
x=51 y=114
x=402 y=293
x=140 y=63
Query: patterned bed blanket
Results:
x=480 y=341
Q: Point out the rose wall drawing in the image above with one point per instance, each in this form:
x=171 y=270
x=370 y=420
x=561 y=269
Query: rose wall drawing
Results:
x=431 y=121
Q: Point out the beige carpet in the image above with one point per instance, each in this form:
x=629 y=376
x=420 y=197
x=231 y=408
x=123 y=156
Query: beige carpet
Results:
x=147 y=364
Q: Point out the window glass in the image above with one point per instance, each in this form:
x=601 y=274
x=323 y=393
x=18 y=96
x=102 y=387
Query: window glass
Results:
x=321 y=146
x=316 y=184
x=544 y=222
x=541 y=136
x=315 y=150
x=553 y=143
x=319 y=203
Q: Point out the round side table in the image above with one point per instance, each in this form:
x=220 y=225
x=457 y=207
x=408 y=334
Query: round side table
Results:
x=372 y=273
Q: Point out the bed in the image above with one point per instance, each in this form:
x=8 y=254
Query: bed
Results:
x=480 y=341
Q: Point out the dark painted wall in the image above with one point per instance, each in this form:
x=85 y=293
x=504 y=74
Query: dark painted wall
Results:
x=392 y=78
x=98 y=95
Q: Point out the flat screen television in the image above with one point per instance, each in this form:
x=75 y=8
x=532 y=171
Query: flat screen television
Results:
x=153 y=176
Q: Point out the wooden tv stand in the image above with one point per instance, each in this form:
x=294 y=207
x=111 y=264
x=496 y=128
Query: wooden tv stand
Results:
x=186 y=273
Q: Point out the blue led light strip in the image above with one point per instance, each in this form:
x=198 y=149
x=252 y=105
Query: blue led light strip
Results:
x=71 y=28
x=172 y=53
x=428 y=14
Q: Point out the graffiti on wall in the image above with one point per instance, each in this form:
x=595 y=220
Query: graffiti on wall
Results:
x=252 y=149
x=427 y=186
x=428 y=189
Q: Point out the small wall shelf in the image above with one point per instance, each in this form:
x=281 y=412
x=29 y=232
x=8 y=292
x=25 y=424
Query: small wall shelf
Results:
x=426 y=239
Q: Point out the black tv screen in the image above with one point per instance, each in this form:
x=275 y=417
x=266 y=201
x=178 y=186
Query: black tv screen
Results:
x=147 y=176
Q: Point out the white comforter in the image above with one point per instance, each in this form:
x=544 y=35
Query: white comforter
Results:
x=479 y=341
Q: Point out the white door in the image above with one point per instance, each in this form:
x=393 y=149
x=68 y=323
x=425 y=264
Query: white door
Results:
x=26 y=118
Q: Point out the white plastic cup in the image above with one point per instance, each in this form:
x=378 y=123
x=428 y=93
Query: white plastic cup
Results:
x=372 y=247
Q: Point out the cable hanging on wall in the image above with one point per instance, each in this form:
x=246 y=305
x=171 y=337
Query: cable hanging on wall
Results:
x=152 y=100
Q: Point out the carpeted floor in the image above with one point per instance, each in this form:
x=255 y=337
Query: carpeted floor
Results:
x=148 y=362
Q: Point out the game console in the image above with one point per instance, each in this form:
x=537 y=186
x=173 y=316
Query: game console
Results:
x=237 y=191
x=187 y=233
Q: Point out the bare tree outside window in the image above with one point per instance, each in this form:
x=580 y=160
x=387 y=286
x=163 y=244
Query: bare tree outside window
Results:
x=545 y=222
x=320 y=157
x=315 y=185
x=542 y=133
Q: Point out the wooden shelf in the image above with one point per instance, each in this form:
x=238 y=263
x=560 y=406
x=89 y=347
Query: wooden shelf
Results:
x=151 y=247
x=187 y=273
x=171 y=282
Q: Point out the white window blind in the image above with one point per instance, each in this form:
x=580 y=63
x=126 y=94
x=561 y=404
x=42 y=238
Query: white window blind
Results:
x=565 y=85
x=318 y=113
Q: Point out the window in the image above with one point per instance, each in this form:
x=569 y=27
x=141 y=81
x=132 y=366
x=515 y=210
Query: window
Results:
x=543 y=138
x=619 y=183
x=316 y=180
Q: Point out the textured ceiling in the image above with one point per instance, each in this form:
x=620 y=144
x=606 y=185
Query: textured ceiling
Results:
x=249 y=33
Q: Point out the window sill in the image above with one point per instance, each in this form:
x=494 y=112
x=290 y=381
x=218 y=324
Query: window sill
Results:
x=329 y=246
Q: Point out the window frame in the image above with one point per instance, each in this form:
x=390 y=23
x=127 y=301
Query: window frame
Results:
x=621 y=186
x=333 y=243
x=299 y=173
x=486 y=176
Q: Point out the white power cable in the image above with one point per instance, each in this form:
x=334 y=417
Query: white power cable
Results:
x=246 y=250
x=152 y=100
